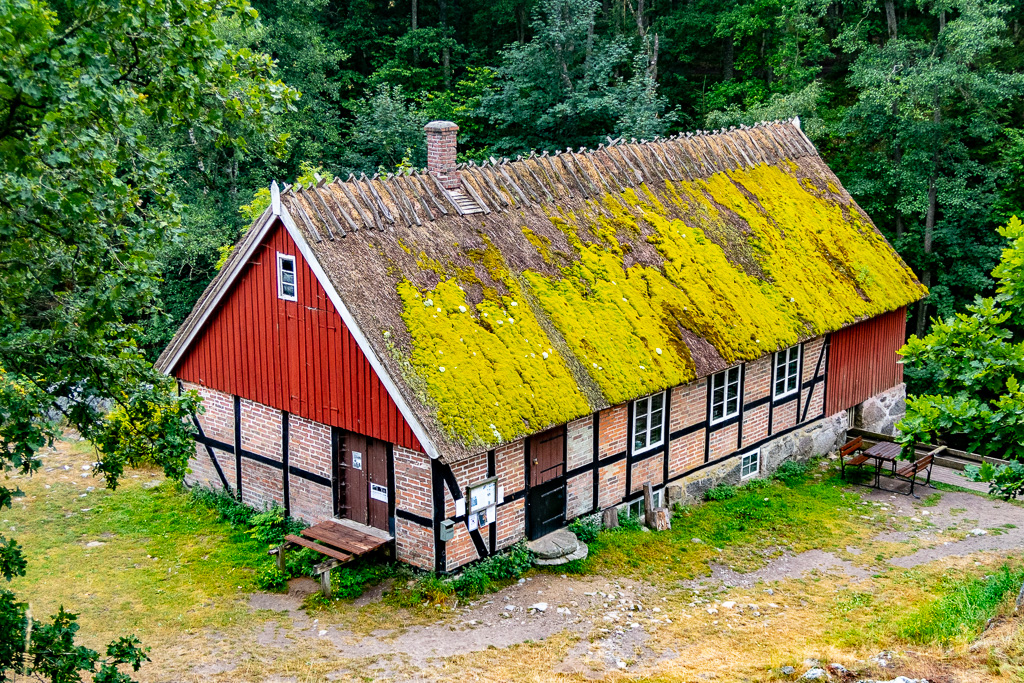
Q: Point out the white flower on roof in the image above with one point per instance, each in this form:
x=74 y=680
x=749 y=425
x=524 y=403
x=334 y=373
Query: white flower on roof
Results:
x=624 y=299
x=757 y=341
x=514 y=303
x=791 y=299
x=657 y=351
x=485 y=315
x=462 y=309
x=544 y=355
x=642 y=367
x=501 y=322
x=594 y=364
x=428 y=302
x=439 y=310
x=441 y=368
x=511 y=321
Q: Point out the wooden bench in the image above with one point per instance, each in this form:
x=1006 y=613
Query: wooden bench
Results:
x=910 y=471
x=337 y=542
x=855 y=447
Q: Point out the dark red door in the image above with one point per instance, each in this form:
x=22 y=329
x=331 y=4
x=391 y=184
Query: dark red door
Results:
x=362 y=479
x=546 y=498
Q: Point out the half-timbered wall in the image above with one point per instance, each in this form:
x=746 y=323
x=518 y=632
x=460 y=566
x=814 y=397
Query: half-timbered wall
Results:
x=296 y=356
x=863 y=360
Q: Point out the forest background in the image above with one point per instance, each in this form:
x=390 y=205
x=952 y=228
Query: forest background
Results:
x=915 y=105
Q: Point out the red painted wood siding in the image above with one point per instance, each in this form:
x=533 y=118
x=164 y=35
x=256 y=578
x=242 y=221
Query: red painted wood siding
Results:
x=292 y=355
x=862 y=360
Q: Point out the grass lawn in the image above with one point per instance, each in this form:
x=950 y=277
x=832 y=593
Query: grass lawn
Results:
x=151 y=560
x=144 y=559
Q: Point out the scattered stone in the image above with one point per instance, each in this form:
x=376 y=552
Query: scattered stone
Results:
x=696 y=540
x=788 y=671
x=621 y=664
x=322 y=633
x=838 y=669
x=728 y=604
x=510 y=608
x=712 y=610
x=539 y=606
x=815 y=674
x=977 y=532
x=94 y=544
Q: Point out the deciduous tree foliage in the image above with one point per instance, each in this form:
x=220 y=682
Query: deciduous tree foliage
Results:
x=974 y=362
x=87 y=200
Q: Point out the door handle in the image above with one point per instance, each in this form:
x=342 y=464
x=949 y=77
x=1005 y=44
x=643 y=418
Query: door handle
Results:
x=535 y=461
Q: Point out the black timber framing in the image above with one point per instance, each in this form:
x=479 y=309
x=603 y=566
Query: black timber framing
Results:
x=238 y=445
x=285 y=483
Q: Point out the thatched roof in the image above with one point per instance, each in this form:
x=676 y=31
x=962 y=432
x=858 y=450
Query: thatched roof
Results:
x=553 y=286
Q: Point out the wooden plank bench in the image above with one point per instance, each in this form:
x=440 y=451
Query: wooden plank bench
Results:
x=856 y=448
x=910 y=471
x=339 y=543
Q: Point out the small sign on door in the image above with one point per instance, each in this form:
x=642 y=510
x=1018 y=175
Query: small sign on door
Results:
x=357 y=460
x=378 y=492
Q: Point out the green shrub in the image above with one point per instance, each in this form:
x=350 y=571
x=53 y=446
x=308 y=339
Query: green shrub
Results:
x=628 y=522
x=271 y=526
x=961 y=613
x=270 y=578
x=756 y=484
x=302 y=562
x=790 y=472
x=488 y=574
x=721 y=492
x=586 y=528
x=225 y=504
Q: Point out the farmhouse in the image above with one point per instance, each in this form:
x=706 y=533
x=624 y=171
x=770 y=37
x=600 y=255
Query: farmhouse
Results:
x=473 y=354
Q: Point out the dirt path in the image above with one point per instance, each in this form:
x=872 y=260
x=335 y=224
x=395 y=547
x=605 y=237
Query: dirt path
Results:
x=607 y=625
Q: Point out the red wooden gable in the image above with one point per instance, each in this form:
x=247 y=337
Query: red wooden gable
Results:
x=863 y=360
x=291 y=355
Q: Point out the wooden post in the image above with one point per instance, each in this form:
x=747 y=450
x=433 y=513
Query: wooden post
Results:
x=655 y=518
x=610 y=518
x=280 y=556
x=325 y=582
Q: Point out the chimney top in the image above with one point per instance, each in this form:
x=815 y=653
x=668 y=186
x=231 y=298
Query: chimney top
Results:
x=441 y=152
x=440 y=127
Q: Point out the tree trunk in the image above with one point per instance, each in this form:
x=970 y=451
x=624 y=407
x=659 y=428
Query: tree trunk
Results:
x=929 y=225
x=728 y=57
x=446 y=54
x=415 y=25
x=890 y=17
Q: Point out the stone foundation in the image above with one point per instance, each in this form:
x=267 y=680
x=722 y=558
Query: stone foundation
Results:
x=881 y=412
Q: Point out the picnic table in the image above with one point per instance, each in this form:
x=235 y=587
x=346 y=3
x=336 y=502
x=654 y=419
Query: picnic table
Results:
x=882 y=453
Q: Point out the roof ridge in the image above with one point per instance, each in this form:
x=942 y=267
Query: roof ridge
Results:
x=411 y=197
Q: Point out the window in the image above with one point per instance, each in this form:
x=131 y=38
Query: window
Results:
x=725 y=394
x=787 y=371
x=286 y=277
x=636 y=507
x=750 y=464
x=648 y=422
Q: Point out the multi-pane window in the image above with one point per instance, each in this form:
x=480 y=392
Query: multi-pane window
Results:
x=725 y=394
x=286 y=277
x=750 y=464
x=648 y=422
x=787 y=371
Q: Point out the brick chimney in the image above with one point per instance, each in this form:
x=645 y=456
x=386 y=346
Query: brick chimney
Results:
x=441 y=137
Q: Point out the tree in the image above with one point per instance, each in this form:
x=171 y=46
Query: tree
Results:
x=566 y=86
x=974 y=364
x=927 y=99
x=86 y=199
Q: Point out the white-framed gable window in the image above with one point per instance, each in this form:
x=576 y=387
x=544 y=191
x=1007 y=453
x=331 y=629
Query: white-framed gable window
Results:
x=787 y=371
x=286 y=277
x=750 y=464
x=725 y=394
x=648 y=422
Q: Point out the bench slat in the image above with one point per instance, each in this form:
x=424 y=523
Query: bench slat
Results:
x=329 y=552
x=859 y=460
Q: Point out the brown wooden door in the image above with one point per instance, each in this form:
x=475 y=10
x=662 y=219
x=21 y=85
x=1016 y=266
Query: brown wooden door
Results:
x=362 y=480
x=376 y=463
x=547 y=456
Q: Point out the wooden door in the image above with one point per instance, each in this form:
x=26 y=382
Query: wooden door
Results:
x=376 y=464
x=546 y=496
x=547 y=456
x=363 y=491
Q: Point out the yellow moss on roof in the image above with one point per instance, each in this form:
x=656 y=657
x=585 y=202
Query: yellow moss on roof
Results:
x=491 y=373
x=798 y=263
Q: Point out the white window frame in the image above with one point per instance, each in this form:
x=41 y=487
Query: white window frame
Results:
x=632 y=432
x=756 y=454
x=281 y=258
x=724 y=375
x=788 y=355
x=635 y=508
